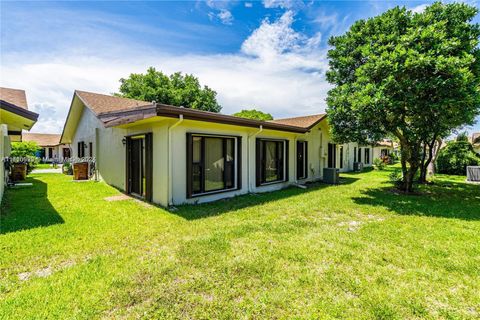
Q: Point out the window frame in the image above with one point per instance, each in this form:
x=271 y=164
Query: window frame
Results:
x=81 y=149
x=340 y=150
x=260 y=158
x=366 y=156
x=305 y=159
x=237 y=164
x=332 y=155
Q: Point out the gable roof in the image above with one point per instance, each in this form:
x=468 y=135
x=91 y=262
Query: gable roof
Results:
x=115 y=111
x=43 y=139
x=102 y=103
x=306 y=122
x=476 y=138
x=15 y=97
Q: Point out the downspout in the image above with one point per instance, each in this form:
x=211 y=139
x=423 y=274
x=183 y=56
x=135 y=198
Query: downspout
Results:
x=170 y=160
x=248 y=156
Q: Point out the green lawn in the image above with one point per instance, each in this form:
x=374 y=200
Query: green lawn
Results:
x=357 y=250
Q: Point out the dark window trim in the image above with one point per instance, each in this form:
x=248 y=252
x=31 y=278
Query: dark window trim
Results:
x=367 y=155
x=90 y=149
x=332 y=155
x=81 y=149
x=359 y=155
x=354 y=154
x=305 y=159
x=258 y=162
x=237 y=181
x=341 y=156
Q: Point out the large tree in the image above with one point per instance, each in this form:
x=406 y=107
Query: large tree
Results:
x=412 y=75
x=254 y=114
x=176 y=89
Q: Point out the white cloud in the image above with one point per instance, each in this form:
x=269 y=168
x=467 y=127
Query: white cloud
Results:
x=283 y=4
x=248 y=4
x=420 y=8
x=225 y=16
x=278 y=70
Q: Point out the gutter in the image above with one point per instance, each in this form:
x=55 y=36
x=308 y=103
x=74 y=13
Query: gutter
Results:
x=170 y=160
x=260 y=129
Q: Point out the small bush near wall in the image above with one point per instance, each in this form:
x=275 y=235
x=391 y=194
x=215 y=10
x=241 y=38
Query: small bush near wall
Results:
x=379 y=164
x=455 y=157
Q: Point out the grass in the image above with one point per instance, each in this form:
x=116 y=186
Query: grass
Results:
x=357 y=250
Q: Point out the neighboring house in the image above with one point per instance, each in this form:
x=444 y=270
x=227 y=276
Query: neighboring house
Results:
x=14 y=117
x=172 y=155
x=383 y=148
x=51 y=148
x=476 y=142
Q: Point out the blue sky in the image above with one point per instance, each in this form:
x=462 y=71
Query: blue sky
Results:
x=267 y=54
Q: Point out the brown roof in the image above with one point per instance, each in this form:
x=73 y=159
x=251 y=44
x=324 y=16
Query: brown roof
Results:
x=114 y=111
x=302 y=122
x=476 y=138
x=102 y=103
x=42 y=139
x=16 y=97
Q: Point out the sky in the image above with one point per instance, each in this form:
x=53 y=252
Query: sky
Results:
x=269 y=55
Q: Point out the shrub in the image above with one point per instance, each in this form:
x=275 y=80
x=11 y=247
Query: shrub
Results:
x=379 y=164
x=455 y=157
x=396 y=177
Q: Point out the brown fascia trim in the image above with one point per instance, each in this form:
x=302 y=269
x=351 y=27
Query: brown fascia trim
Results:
x=192 y=114
x=318 y=121
x=7 y=106
x=116 y=118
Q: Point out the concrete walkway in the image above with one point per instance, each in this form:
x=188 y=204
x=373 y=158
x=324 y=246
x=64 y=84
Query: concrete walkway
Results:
x=50 y=170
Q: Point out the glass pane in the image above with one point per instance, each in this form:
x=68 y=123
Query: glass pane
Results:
x=196 y=178
x=214 y=164
x=230 y=164
x=197 y=143
x=271 y=161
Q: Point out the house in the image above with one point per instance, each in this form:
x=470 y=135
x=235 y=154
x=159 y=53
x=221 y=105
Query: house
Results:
x=384 y=148
x=173 y=155
x=14 y=117
x=476 y=142
x=51 y=148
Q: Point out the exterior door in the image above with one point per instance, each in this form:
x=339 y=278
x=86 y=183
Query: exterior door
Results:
x=139 y=166
x=50 y=153
x=332 y=155
x=66 y=153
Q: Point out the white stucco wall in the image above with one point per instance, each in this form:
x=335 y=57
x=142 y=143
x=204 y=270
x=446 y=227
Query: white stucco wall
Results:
x=171 y=156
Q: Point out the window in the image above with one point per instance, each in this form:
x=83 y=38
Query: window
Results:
x=272 y=161
x=81 y=149
x=359 y=155
x=367 y=155
x=302 y=160
x=341 y=157
x=211 y=164
x=355 y=154
x=384 y=153
x=332 y=155
x=90 y=149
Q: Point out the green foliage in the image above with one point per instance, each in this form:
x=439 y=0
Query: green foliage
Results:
x=455 y=157
x=396 y=177
x=462 y=137
x=379 y=164
x=254 y=114
x=24 y=149
x=414 y=76
x=176 y=89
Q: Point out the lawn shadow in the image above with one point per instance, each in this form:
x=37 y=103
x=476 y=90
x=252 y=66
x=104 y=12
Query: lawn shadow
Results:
x=205 y=210
x=27 y=207
x=447 y=199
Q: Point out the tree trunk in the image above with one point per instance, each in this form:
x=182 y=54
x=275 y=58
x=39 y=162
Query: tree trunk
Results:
x=426 y=161
x=437 y=146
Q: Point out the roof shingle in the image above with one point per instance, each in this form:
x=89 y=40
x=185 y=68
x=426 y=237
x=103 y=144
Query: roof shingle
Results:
x=16 y=97
x=102 y=103
x=42 y=139
x=302 y=122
